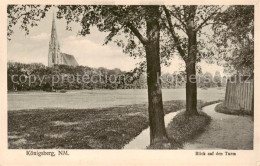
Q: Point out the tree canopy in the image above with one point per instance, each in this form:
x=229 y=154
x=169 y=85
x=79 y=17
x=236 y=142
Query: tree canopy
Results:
x=234 y=38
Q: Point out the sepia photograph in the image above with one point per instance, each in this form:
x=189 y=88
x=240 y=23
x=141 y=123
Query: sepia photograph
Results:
x=130 y=77
x=149 y=77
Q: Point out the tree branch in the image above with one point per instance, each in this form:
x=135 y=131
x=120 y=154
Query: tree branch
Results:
x=143 y=39
x=207 y=19
x=178 y=17
x=171 y=29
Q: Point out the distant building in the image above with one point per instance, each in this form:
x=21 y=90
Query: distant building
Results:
x=55 y=56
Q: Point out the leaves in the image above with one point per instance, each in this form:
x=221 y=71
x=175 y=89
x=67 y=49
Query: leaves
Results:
x=27 y=15
x=181 y=23
x=234 y=34
x=233 y=28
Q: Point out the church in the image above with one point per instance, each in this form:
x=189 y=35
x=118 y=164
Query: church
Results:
x=55 y=56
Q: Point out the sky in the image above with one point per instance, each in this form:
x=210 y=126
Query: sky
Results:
x=88 y=50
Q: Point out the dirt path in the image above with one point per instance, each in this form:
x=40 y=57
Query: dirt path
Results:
x=224 y=132
x=142 y=141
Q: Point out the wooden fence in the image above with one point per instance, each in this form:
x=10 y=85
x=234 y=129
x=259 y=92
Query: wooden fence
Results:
x=239 y=96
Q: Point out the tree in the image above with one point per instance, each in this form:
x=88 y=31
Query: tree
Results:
x=184 y=24
x=234 y=38
x=140 y=22
x=208 y=80
x=217 y=79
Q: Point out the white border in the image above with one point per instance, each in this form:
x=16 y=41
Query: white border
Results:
x=125 y=157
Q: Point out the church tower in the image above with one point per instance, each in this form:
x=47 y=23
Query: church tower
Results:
x=54 y=56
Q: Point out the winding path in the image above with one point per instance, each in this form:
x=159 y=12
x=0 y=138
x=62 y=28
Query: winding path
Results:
x=142 y=141
x=224 y=132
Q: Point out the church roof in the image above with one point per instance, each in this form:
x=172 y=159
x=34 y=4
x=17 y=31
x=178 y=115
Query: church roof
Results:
x=69 y=59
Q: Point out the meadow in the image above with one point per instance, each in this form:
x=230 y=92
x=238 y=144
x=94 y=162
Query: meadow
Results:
x=85 y=99
x=97 y=119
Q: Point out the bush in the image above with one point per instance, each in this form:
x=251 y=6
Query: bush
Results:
x=183 y=128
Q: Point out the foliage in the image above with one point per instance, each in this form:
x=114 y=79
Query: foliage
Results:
x=125 y=22
x=183 y=24
x=233 y=29
x=48 y=78
x=180 y=21
x=25 y=15
x=124 y=80
x=207 y=80
x=234 y=38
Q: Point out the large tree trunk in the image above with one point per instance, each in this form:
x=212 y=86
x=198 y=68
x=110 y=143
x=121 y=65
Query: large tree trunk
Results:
x=156 y=114
x=191 y=85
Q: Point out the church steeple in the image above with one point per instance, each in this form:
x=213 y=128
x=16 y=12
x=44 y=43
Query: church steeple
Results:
x=54 y=56
x=53 y=30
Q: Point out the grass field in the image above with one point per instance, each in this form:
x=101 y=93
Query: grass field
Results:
x=110 y=124
x=183 y=128
x=84 y=99
x=107 y=128
x=222 y=109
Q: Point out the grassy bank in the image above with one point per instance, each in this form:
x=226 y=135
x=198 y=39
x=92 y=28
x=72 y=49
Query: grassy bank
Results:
x=222 y=109
x=183 y=128
x=106 y=128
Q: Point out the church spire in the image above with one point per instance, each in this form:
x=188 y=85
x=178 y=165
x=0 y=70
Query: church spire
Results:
x=53 y=29
x=54 y=47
